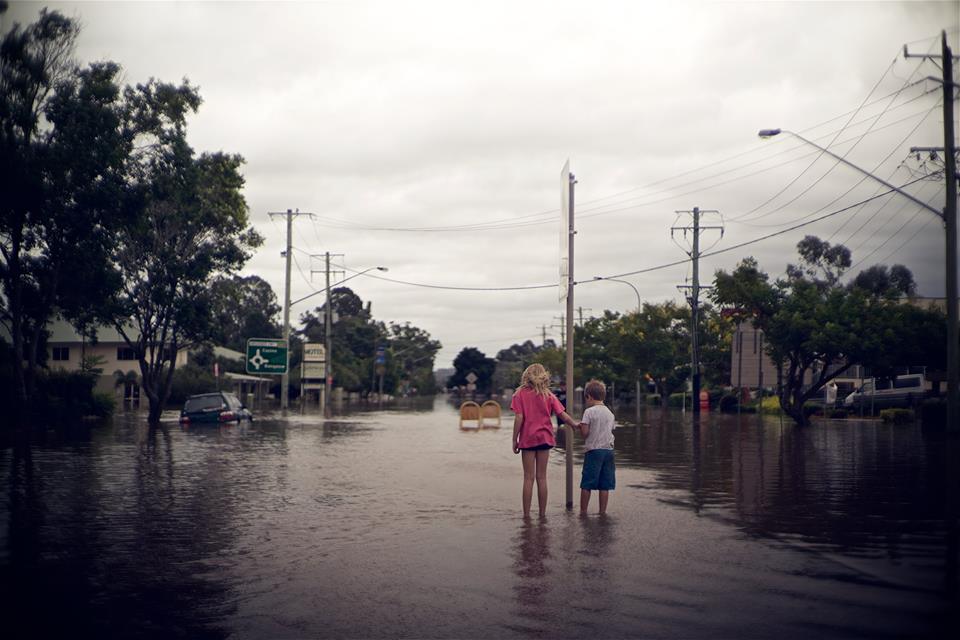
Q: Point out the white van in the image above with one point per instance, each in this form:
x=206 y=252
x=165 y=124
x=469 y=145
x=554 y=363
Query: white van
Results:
x=902 y=391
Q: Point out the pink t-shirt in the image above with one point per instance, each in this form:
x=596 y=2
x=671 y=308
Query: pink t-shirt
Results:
x=537 y=427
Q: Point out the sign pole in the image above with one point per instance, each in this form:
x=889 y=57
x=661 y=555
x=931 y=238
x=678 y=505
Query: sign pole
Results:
x=567 y=183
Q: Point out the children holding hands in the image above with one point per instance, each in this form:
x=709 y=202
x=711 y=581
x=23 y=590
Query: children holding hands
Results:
x=533 y=405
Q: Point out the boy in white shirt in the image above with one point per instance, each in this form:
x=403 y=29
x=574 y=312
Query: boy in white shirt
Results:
x=596 y=426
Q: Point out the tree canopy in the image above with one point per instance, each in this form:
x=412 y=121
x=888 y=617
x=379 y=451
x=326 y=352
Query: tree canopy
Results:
x=816 y=329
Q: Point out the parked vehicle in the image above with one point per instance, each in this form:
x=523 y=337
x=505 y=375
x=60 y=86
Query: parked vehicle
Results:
x=883 y=393
x=214 y=408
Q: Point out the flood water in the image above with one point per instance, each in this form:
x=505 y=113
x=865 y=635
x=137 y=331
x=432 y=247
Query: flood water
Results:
x=396 y=523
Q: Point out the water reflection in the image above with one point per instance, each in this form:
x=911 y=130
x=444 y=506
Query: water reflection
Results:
x=532 y=566
x=863 y=489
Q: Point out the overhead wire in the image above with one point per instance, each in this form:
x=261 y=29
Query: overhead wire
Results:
x=546 y=216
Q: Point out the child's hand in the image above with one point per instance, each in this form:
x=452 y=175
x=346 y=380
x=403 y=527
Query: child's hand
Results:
x=516 y=448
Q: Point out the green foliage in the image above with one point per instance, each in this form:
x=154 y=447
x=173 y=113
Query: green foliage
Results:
x=771 y=405
x=243 y=307
x=809 y=320
x=61 y=167
x=837 y=414
x=68 y=396
x=190 y=380
x=897 y=415
x=409 y=351
x=472 y=360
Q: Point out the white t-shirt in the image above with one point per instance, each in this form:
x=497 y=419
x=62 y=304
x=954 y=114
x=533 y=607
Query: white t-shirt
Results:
x=602 y=424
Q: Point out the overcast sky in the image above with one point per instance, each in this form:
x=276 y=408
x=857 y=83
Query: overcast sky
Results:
x=386 y=119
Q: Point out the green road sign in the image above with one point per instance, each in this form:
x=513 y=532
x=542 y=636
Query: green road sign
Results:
x=266 y=355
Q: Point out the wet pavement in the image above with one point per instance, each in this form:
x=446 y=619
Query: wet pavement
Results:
x=396 y=523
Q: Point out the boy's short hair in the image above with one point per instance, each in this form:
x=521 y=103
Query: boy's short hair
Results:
x=596 y=390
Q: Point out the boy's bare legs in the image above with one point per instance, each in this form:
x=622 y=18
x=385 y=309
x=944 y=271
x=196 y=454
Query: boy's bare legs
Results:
x=529 y=460
x=604 y=497
x=543 y=456
x=584 y=500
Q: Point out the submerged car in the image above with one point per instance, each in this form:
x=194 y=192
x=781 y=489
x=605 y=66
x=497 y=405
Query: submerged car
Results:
x=214 y=408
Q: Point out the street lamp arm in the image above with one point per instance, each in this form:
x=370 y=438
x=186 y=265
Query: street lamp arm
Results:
x=629 y=284
x=310 y=295
x=769 y=133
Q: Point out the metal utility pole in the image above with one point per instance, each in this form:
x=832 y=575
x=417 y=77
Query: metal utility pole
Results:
x=327 y=333
x=543 y=328
x=950 y=224
x=694 y=254
x=569 y=342
x=285 y=378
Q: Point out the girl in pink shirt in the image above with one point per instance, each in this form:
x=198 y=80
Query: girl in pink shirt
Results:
x=533 y=404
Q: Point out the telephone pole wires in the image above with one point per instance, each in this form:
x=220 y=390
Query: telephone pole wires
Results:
x=285 y=378
x=696 y=229
x=950 y=224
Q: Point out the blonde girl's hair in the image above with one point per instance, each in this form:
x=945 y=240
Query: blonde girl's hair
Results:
x=537 y=378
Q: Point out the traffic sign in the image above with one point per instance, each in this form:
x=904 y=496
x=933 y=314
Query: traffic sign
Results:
x=267 y=355
x=314 y=352
x=314 y=371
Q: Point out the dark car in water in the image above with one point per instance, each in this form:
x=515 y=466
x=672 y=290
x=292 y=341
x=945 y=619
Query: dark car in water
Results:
x=214 y=408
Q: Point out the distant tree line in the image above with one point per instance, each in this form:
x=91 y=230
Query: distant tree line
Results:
x=816 y=327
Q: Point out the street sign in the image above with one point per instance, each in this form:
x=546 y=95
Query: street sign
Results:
x=381 y=355
x=564 y=231
x=314 y=352
x=472 y=377
x=314 y=371
x=267 y=355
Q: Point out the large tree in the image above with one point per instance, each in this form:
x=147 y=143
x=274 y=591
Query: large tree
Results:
x=190 y=228
x=244 y=307
x=64 y=138
x=815 y=328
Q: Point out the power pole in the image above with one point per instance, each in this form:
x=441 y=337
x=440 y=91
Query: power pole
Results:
x=950 y=223
x=580 y=311
x=328 y=329
x=568 y=378
x=694 y=254
x=562 y=326
x=285 y=378
x=543 y=328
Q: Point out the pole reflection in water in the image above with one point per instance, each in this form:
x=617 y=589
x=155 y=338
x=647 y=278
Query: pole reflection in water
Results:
x=532 y=566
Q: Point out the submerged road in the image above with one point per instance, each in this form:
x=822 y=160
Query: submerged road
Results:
x=396 y=523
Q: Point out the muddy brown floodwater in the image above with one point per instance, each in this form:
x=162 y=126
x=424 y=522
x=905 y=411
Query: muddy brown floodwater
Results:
x=396 y=523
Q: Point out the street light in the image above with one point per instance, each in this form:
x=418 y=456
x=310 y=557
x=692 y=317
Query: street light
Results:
x=629 y=284
x=327 y=317
x=949 y=217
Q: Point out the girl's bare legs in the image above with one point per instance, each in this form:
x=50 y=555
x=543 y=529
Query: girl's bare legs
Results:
x=543 y=456
x=604 y=497
x=529 y=459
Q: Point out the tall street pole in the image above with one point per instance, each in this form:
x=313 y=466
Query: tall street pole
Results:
x=950 y=220
x=327 y=328
x=285 y=378
x=569 y=345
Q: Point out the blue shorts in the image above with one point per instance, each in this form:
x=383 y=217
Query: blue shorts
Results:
x=598 y=470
